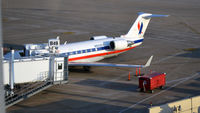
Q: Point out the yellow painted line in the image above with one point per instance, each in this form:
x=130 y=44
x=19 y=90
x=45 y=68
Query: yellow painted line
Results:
x=5 y=20
x=190 y=49
x=68 y=33
x=178 y=83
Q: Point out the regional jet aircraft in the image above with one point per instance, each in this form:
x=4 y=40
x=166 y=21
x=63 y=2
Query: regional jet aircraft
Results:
x=87 y=53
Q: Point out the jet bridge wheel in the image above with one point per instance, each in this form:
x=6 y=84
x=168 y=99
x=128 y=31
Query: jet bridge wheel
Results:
x=141 y=89
x=86 y=68
x=151 y=91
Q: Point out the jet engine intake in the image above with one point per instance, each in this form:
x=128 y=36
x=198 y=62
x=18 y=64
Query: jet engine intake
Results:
x=119 y=44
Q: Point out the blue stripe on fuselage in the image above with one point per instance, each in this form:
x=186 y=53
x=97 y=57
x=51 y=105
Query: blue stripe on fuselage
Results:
x=96 y=49
x=137 y=41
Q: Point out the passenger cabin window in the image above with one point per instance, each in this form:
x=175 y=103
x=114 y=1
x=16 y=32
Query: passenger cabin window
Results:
x=107 y=47
x=88 y=50
x=100 y=48
x=93 y=49
x=70 y=53
x=78 y=52
x=83 y=51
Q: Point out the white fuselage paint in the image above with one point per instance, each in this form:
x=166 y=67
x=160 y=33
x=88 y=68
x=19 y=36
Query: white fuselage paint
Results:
x=94 y=50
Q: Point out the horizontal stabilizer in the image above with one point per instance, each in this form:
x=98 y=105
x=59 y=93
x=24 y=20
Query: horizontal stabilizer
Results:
x=155 y=15
x=151 y=15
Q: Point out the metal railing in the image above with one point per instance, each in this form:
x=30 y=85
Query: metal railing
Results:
x=25 y=90
x=40 y=83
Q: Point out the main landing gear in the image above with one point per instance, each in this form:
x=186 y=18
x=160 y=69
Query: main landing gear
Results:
x=86 y=68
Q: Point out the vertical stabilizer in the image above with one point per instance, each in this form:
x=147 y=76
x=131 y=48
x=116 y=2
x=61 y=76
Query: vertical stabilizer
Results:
x=140 y=25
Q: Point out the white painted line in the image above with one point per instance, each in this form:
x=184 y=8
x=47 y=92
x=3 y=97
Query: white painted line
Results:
x=28 y=34
x=115 y=79
x=168 y=57
x=132 y=106
x=182 y=42
x=172 y=81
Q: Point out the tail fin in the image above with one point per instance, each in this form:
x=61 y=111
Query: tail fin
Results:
x=139 y=27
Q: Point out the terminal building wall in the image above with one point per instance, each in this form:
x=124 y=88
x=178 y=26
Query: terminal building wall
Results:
x=190 y=105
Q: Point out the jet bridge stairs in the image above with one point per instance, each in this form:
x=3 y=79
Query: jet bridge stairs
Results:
x=24 y=91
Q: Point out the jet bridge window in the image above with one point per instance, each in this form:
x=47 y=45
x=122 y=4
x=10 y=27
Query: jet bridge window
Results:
x=60 y=66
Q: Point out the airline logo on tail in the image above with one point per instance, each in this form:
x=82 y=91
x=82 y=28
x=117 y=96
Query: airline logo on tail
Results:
x=140 y=26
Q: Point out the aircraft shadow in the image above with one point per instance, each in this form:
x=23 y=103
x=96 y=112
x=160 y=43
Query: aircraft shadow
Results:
x=191 y=53
x=79 y=70
x=108 y=85
x=72 y=106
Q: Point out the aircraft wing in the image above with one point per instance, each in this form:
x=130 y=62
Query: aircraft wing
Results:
x=110 y=64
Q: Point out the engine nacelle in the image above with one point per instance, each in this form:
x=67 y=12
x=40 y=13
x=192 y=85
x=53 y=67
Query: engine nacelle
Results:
x=98 y=37
x=119 y=44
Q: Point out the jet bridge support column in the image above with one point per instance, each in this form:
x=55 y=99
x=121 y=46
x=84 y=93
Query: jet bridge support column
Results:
x=51 y=67
x=53 y=46
x=11 y=73
x=66 y=68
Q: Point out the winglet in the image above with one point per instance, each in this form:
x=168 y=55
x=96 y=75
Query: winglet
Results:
x=148 y=62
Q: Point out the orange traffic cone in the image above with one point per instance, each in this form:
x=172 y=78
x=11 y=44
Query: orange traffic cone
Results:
x=139 y=71
x=129 y=76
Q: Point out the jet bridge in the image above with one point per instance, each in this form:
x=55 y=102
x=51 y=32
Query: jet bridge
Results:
x=26 y=76
x=28 y=70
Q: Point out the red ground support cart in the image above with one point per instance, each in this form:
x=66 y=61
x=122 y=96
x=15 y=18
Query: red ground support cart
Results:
x=151 y=81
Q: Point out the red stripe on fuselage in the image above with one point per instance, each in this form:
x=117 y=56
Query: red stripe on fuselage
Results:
x=100 y=54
